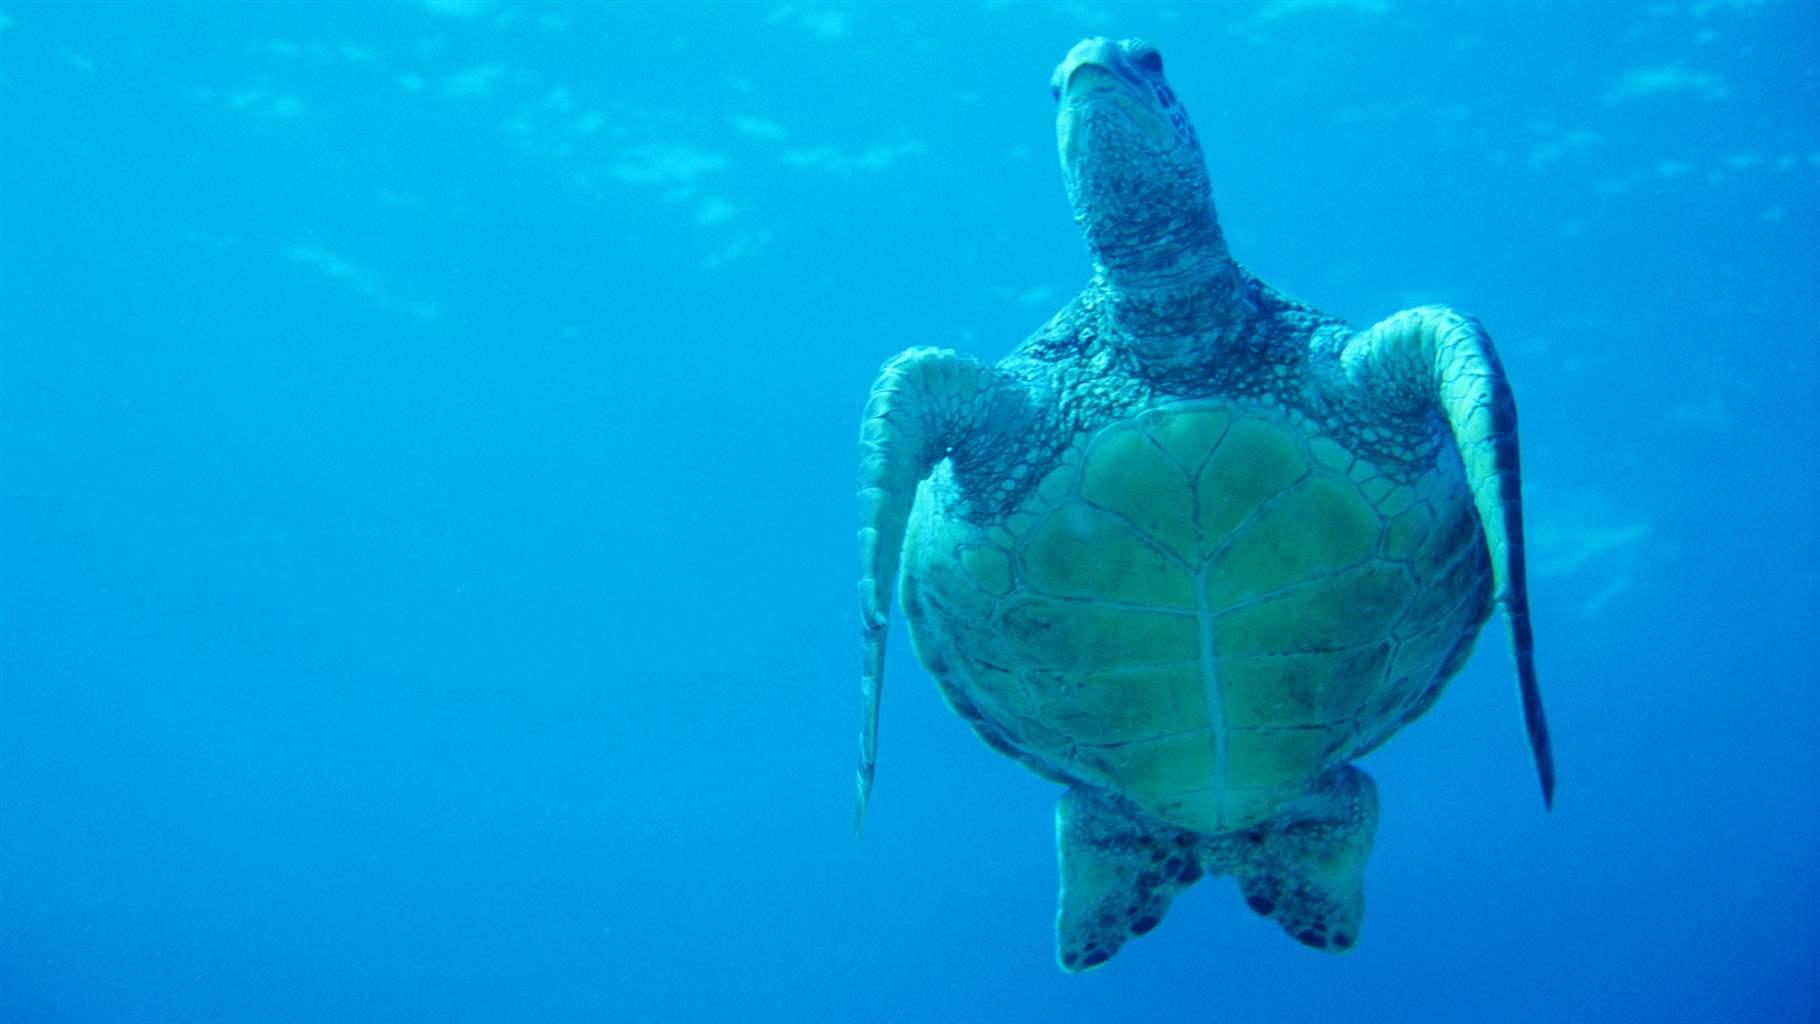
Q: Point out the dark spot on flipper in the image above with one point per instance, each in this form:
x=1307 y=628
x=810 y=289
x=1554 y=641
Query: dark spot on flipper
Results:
x=1096 y=958
x=1341 y=940
x=1070 y=959
x=1313 y=938
x=1143 y=924
x=1191 y=873
x=1262 y=904
x=1173 y=867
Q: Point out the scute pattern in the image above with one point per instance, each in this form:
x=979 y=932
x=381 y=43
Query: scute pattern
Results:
x=1254 y=463
x=1207 y=605
x=1114 y=573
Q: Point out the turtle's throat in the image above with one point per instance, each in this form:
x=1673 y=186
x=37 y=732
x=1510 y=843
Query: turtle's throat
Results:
x=1145 y=234
x=1162 y=311
x=1176 y=318
x=1142 y=198
x=1161 y=253
x=1163 y=259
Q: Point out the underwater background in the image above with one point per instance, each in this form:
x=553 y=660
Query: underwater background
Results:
x=427 y=451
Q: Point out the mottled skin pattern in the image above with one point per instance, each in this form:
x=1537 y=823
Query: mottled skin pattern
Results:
x=1193 y=546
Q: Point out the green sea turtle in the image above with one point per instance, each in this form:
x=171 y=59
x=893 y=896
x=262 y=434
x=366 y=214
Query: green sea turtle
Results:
x=1193 y=546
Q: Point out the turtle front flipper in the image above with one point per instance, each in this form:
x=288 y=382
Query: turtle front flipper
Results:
x=1119 y=875
x=927 y=404
x=1435 y=358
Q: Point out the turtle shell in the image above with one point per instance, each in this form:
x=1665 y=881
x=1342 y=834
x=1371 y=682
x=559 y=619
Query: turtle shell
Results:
x=1200 y=608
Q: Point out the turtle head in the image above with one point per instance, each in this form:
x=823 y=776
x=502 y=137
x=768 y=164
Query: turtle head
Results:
x=1134 y=170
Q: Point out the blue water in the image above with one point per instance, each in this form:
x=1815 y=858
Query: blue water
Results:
x=427 y=445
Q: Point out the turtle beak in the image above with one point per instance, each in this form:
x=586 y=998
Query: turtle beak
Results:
x=1089 y=72
x=1090 y=82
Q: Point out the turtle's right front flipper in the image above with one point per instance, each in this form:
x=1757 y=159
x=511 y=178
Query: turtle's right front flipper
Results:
x=1434 y=358
x=926 y=404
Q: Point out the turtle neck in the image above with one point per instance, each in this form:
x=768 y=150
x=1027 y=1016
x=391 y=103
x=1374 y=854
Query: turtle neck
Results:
x=1178 y=318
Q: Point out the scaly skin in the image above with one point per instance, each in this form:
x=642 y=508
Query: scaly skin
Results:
x=1193 y=545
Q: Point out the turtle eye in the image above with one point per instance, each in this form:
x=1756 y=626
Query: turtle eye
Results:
x=1149 y=59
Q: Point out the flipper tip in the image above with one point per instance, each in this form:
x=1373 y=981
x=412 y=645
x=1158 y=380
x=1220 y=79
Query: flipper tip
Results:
x=863 y=787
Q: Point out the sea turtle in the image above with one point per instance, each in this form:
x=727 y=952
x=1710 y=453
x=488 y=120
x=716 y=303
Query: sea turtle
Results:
x=1193 y=546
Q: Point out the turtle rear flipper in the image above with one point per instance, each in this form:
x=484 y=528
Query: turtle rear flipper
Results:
x=1119 y=875
x=1308 y=874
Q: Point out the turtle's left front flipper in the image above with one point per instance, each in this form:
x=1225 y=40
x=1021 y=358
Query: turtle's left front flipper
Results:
x=927 y=405
x=1433 y=357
